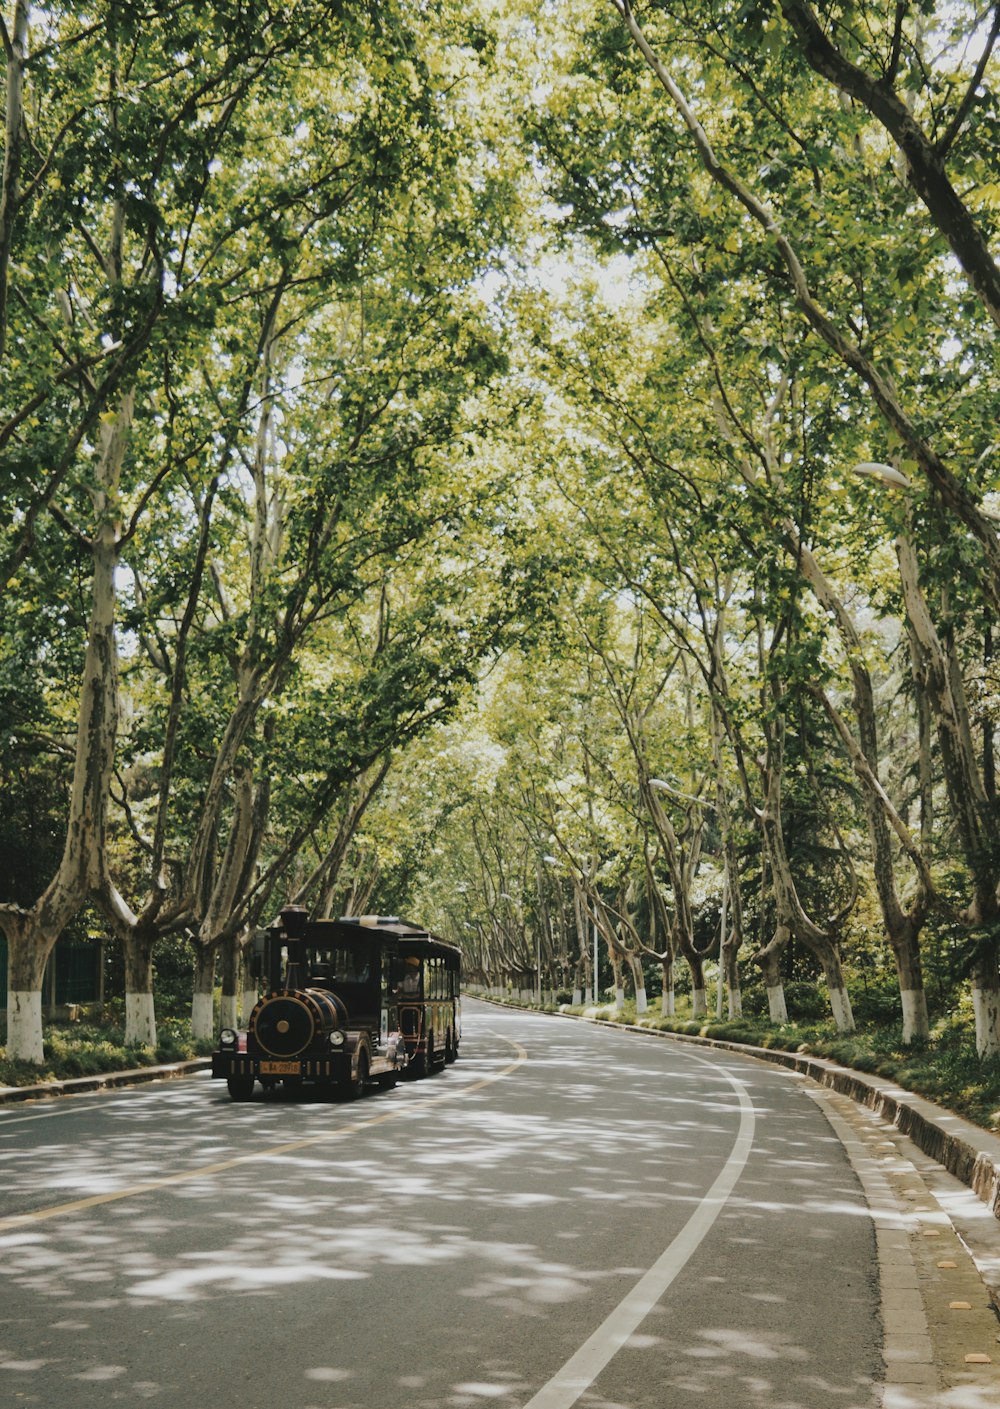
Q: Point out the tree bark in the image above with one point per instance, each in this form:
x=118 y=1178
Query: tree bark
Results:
x=639 y=983
x=203 y=996
x=10 y=190
x=140 y=1015
x=83 y=869
x=229 y=1004
x=902 y=927
x=986 y=1002
x=925 y=167
x=769 y=958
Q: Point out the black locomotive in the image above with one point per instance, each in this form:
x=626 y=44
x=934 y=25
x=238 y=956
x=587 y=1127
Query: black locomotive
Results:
x=337 y=996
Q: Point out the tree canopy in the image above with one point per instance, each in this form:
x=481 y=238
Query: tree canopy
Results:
x=534 y=468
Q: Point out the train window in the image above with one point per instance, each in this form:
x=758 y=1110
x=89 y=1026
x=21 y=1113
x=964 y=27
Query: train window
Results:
x=341 y=965
x=390 y=976
x=406 y=976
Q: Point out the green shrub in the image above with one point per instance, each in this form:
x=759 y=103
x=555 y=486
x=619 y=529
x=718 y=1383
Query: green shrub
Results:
x=89 y=1050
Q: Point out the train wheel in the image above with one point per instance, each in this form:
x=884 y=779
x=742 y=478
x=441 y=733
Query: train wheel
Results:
x=416 y=1067
x=357 y=1085
x=240 y=1087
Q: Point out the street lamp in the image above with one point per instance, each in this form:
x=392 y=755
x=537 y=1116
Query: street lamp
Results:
x=883 y=474
x=891 y=478
x=658 y=785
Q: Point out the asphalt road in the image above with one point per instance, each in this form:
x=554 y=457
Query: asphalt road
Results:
x=567 y=1215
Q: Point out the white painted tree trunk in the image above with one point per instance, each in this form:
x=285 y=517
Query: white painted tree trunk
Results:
x=668 y=1003
x=228 y=1010
x=577 y=998
x=140 y=1020
x=202 y=1010
x=641 y=1004
x=699 y=1002
x=986 y=1006
x=24 y=1026
x=247 y=1005
x=588 y=996
x=619 y=998
x=735 y=1003
x=915 y=1020
x=203 y=993
x=843 y=1015
x=777 y=1011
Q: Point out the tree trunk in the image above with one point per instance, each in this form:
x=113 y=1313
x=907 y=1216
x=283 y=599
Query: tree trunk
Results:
x=229 y=1005
x=10 y=189
x=909 y=969
x=27 y=954
x=250 y=993
x=699 y=1001
x=986 y=1002
x=619 y=983
x=203 y=998
x=668 y=1003
x=140 y=1014
x=731 y=975
x=769 y=958
x=639 y=981
x=840 y=999
x=83 y=868
x=791 y=915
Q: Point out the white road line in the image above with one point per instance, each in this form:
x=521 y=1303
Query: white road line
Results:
x=582 y=1368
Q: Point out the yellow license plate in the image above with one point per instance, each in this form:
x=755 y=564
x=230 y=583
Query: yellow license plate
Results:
x=279 y=1068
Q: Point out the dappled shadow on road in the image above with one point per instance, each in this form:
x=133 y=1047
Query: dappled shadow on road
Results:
x=446 y=1244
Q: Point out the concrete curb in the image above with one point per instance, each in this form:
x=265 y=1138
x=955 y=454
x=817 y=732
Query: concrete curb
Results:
x=965 y=1150
x=101 y=1081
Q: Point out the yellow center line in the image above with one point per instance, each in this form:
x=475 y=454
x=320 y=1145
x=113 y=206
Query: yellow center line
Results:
x=203 y=1171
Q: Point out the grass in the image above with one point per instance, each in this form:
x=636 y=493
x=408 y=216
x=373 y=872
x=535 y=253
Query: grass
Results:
x=87 y=1049
x=946 y=1068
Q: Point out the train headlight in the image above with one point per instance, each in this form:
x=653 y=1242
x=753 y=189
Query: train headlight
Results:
x=337 y=1038
x=227 y=1037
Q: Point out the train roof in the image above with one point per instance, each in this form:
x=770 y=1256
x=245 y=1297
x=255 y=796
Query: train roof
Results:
x=403 y=931
x=361 y=928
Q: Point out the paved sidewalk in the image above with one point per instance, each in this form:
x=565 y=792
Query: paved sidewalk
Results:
x=939 y=1322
